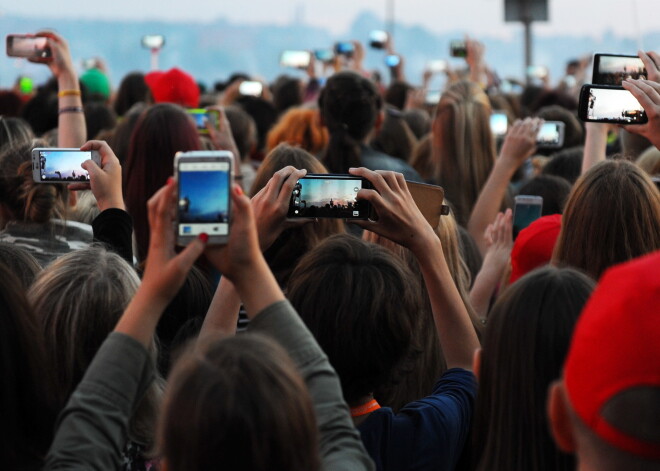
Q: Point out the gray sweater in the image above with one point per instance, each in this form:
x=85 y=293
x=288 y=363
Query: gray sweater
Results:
x=92 y=429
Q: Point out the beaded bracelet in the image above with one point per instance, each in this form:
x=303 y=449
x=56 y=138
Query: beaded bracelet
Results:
x=71 y=109
x=63 y=93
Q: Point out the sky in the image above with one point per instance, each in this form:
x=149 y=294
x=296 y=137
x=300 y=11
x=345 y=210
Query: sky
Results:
x=480 y=17
x=66 y=162
x=207 y=192
x=318 y=191
x=610 y=103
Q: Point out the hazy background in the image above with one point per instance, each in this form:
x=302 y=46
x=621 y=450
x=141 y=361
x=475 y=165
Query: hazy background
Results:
x=211 y=38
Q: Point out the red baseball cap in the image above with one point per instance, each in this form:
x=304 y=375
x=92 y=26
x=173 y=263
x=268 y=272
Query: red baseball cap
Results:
x=616 y=348
x=173 y=86
x=534 y=245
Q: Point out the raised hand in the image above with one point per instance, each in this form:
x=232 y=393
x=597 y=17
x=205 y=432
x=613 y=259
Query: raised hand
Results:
x=104 y=180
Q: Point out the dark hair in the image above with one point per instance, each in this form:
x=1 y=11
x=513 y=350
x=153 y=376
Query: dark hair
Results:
x=28 y=416
x=120 y=139
x=470 y=253
x=397 y=94
x=132 y=89
x=573 y=132
x=239 y=403
x=524 y=347
x=555 y=99
x=553 y=190
x=362 y=304
x=566 y=164
x=287 y=93
x=419 y=122
x=243 y=129
x=612 y=215
x=264 y=115
x=20 y=262
x=349 y=105
x=395 y=137
x=14 y=132
x=98 y=117
x=10 y=104
x=161 y=131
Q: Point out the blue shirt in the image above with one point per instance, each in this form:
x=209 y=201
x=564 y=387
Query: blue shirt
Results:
x=428 y=434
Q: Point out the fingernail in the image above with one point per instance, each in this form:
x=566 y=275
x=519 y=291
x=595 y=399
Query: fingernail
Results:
x=204 y=237
x=170 y=180
x=238 y=190
x=352 y=168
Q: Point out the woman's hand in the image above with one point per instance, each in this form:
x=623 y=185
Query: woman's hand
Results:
x=520 y=142
x=60 y=62
x=647 y=93
x=104 y=180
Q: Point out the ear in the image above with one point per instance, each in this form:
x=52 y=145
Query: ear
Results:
x=476 y=362
x=560 y=420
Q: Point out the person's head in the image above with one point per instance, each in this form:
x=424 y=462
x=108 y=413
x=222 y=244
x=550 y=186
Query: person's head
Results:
x=463 y=145
x=361 y=303
x=132 y=89
x=350 y=108
x=97 y=86
x=161 y=131
x=239 y=403
x=573 y=131
x=534 y=246
x=264 y=115
x=173 y=86
x=566 y=163
x=523 y=350
x=555 y=99
x=287 y=93
x=418 y=121
x=41 y=110
x=14 y=132
x=606 y=407
x=243 y=129
x=120 y=139
x=98 y=117
x=299 y=127
x=553 y=190
x=293 y=243
x=20 y=262
x=395 y=137
x=28 y=416
x=649 y=161
x=612 y=215
x=10 y=104
x=397 y=93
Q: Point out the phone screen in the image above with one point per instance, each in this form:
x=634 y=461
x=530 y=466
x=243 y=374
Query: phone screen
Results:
x=295 y=59
x=27 y=46
x=550 y=135
x=392 y=60
x=499 y=123
x=153 y=41
x=324 y=55
x=250 y=88
x=437 y=66
x=458 y=49
x=610 y=105
x=613 y=69
x=537 y=71
x=204 y=198
x=58 y=165
x=377 y=39
x=201 y=117
x=344 y=48
x=525 y=212
x=328 y=196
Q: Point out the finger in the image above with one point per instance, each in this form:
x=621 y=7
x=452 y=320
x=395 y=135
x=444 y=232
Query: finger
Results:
x=655 y=58
x=508 y=225
x=390 y=178
x=643 y=99
x=287 y=187
x=191 y=253
x=650 y=91
x=277 y=180
x=376 y=200
x=376 y=179
x=157 y=204
x=649 y=62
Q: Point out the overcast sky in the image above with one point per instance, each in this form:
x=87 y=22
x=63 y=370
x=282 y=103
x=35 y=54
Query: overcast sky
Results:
x=479 y=17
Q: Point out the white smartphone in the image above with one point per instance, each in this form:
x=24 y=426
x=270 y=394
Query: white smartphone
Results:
x=61 y=165
x=527 y=209
x=551 y=135
x=250 y=88
x=204 y=182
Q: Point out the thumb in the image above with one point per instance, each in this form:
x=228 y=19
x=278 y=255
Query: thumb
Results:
x=92 y=168
x=191 y=253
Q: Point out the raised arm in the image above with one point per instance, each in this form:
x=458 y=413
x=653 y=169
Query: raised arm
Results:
x=519 y=144
x=595 y=145
x=400 y=220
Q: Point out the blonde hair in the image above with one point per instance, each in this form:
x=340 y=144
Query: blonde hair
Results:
x=463 y=145
x=299 y=127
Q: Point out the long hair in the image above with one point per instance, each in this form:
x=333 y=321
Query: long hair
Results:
x=299 y=127
x=238 y=403
x=160 y=132
x=612 y=215
x=463 y=145
x=349 y=105
x=524 y=347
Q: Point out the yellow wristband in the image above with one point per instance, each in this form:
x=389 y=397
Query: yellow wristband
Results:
x=63 y=93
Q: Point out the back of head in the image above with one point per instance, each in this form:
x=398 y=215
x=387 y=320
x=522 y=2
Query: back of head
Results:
x=395 y=137
x=10 y=104
x=264 y=115
x=161 y=131
x=349 y=105
x=361 y=303
x=99 y=117
x=396 y=94
x=464 y=146
x=132 y=89
x=612 y=215
x=611 y=375
x=96 y=86
x=527 y=339
x=20 y=262
x=41 y=111
x=573 y=131
x=418 y=121
x=566 y=163
x=240 y=404
x=287 y=93
x=553 y=190
x=299 y=127
x=243 y=129
x=14 y=132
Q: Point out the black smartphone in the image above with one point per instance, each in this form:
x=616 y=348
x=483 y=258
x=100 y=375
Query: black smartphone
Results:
x=344 y=48
x=329 y=196
x=28 y=46
x=527 y=209
x=608 y=104
x=458 y=49
x=61 y=165
x=551 y=135
x=613 y=69
x=204 y=181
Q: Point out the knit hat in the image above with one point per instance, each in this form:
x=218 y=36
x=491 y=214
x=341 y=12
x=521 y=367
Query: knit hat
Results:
x=615 y=350
x=96 y=83
x=173 y=86
x=534 y=245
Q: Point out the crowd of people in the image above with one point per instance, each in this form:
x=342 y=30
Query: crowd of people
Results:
x=399 y=342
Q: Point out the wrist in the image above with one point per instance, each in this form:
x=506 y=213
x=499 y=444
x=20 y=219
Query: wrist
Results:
x=104 y=204
x=68 y=80
x=425 y=246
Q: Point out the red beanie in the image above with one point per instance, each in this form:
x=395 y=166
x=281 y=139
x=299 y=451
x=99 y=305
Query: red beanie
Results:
x=615 y=349
x=173 y=86
x=534 y=245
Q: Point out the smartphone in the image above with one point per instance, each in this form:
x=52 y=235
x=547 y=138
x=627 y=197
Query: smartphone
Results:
x=344 y=48
x=432 y=97
x=202 y=116
x=204 y=181
x=61 y=165
x=153 y=41
x=527 y=209
x=89 y=63
x=612 y=69
x=538 y=72
x=324 y=55
x=378 y=39
x=250 y=88
x=295 y=59
x=608 y=104
x=329 y=196
x=458 y=49
x=551 y=135
x=28 y=46
x=392 y=60
x=436 y=66
x=499 y=123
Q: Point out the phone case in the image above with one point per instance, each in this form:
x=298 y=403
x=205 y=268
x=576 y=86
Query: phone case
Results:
x=429 y=199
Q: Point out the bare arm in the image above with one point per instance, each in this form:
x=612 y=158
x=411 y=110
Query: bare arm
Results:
x=595 y=145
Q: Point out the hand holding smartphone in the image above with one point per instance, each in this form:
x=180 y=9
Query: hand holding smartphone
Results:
x=202 y=117
x=613 y=69
x=28 y=46
x=609 y=104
